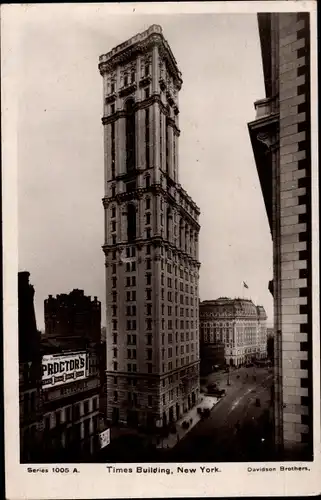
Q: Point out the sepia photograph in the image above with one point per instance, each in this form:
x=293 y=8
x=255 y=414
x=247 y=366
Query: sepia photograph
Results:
x=166 y=318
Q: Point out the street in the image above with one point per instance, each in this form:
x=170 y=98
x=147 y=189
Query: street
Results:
x=237 y=428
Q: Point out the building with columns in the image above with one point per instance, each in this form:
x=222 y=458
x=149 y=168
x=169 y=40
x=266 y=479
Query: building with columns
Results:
x=238 y=324
x=151 y=238
x=280 y=136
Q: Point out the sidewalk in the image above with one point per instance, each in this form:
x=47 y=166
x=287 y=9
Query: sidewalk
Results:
x=172 y=439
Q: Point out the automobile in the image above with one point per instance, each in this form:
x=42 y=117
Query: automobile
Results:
x=217 y=392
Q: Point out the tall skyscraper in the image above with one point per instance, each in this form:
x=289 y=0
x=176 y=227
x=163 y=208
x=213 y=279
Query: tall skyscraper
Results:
x=280 y=137
x=151 y=238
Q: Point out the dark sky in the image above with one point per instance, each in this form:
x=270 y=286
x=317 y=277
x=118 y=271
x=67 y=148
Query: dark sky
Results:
x=60 y=146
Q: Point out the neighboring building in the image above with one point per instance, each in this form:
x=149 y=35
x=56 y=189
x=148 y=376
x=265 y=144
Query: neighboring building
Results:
x=30 y=414
x=281 y=144
x=151 y=238
x=60 y=418
x=71 y=411
x=238 y=324
x=73 y=317
x=212 y=355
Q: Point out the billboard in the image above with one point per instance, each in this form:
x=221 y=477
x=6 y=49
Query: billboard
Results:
x=104 y=438
x=58 y=369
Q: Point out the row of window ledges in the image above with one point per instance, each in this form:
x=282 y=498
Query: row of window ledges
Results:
x=133 y=397
x=171 y=311
x=183 y=337
x=183 y=203
x=132 y=367
x=188 y=276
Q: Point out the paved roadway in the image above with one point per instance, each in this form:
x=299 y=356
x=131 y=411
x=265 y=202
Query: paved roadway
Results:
x=237 y=429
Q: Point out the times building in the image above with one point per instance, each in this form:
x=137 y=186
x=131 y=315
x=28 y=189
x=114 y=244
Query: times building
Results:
x=151 y=239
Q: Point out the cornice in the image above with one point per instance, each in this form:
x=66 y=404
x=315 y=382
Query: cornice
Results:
x=153 y=99
x=156 y=189
x=140 y=44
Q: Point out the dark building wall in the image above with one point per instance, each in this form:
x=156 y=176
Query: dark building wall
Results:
x=281 y=143
x=212 y=355
x=73 y=315
x=28 y=333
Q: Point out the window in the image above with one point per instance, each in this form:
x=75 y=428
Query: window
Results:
x=147 y=156
x=113 y=211
x=115 y=365
x=127 y=296
x=148 y=233
x=114 y=282
x=149 y=368
x=146 y=69
x=112 y=109
x=131 y=222
x=114 y=324
x=167 y=149
x=125 y=80
x=132 y=76
x=149 y=354
x=112 y=87
x=133 y=281
x=86 y=407
x=115 y=352
x=149 y=309
x=113 y=226
x=115 y=396
x=148 y=250
x=58 y=417
x=149 y=340
x=114 y=268
x=148 y=279
x=148 y=294
x=146 y=91
x=128 y=281
x=113 y=190
x=113 y=152
x=114 y=338
x=147 y=218
x=130 y=135
x=150 y=401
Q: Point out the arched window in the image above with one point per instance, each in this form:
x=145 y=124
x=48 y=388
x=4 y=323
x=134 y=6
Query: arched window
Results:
x=113 y=211
x=130 y=135
x=131 y=222
x=147 y=181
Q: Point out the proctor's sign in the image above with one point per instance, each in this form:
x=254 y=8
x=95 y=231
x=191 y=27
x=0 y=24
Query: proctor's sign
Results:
x=63 y=368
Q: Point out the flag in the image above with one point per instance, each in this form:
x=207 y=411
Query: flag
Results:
x=245 y=285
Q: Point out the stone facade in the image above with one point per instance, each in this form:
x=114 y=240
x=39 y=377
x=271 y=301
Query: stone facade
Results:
x=281 y=143
x=151 y=238
x=238 y=324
